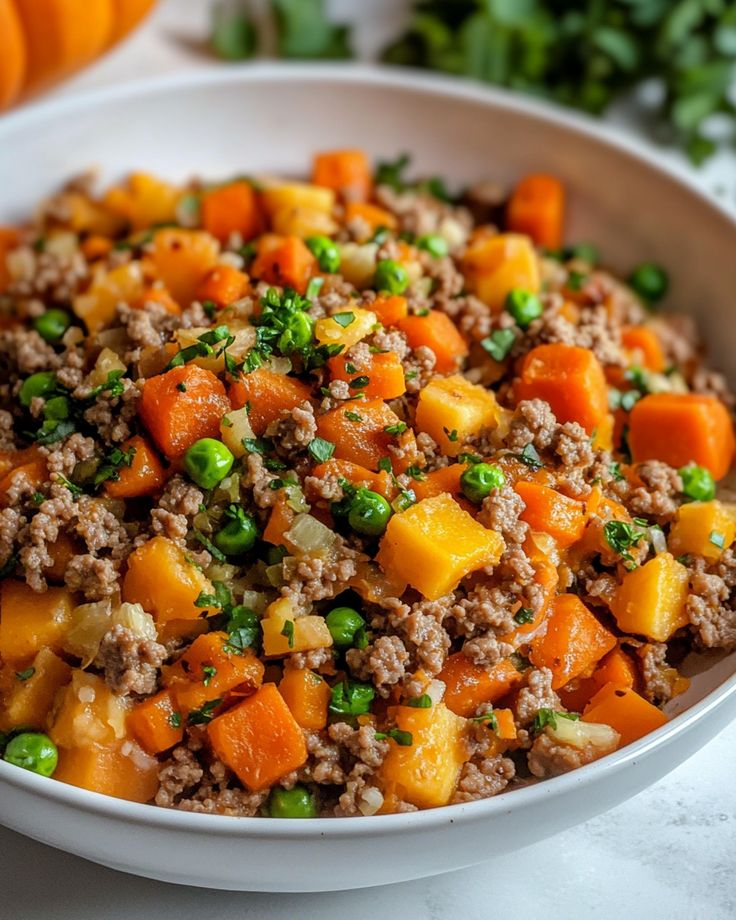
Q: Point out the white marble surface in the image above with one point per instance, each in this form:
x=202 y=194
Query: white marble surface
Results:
x=668 y=853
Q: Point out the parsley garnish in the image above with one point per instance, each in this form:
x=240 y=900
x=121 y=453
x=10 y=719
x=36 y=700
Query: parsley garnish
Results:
x=209 y=671
x=25 y=675
x=621 y=536
x=546 y=717
x=420 y=702
x=209 y=546
x=204 y=714
x=344 y=319
x=320 y=449
x=398 y=428
x=359 y=383
x=615 y=470
x=717 y=539
x=288 y=631
x=353 y=416
x=402 y=738
x=451 y=435
x=530 y=457
x=487 y=718
x=175 y=720
x=416 y=473
x=499 y=343
x=524 y=615
x=112 y=464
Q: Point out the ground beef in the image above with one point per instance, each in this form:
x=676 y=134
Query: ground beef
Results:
x=295 y=431
x=709 y=611
x=533 y=422
x=383 y=662
x=658 y=495
x=572 y=445
x=7 y=434
x=595 y=331
x=657 y=676
x=500 y=512
x=62 y=458
x=129 y=662
x=95 y=578
x=313 y=659
x=317 y=578
x=181 y=772
x=535 y=695
x=53 y=515
x=112 y=416
x=100 y=528
x=550 y=758
x=325 y=488
x=361 y=743
x=391 y=340
x=418 y=366
x=11 y=521
x=325 y=760
x=484 y=607
x=420 y=626
x=26 y=351
x=483 y=778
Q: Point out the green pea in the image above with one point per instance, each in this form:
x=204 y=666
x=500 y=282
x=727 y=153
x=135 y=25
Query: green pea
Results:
x=480 y=479
x=368 y=513
x=292 y=803
x=208 y=462
x=298 y=332
x=391 y=277
x=326 y=252
x=33 y=751
x=239 y=534
x=52 y=324
x=343 y=624
x=434 y=244
x=56 y=408
x=649 y=281
x=40 y=384
x=351 y=698
x=697 y=483
x=523 y=306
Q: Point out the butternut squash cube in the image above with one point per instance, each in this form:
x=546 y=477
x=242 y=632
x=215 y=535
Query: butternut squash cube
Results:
x=31 y=621
x=329 y=332
x=303 y=222
x=283 y=633
x=144 y=200
x=307 y=695
x=122 y=770
x=702 y=529
x=651 y=600
x=497 y=264
x=163 y=582
x=98 y=305
x=86 y=712
x=453 y=410
x=625 y=711
x=29 y=701
x=434 y=544
x=425 y=773
x=297 y=195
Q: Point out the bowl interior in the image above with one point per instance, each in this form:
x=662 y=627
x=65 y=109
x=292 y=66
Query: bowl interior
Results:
x=271 y=120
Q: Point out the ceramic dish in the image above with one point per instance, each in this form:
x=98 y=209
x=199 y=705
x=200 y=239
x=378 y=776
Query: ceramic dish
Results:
x=267 y=118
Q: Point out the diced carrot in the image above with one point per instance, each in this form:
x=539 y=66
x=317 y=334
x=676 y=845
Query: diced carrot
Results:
x=645 y=349
x=547 y=577
x=384 y=371
x=223 y=285
x=287 y=264
x=390 y=309
x=281 y=518
x=436 y=331
x=307 y=695
x=160 y=296
x=268 y=395
x=576 y=695
x=144 y=476
x=358 y=431
x=682 y=428
x=468 y=685
x=95 y=247
x=445 y=479
x=570 y=379
x=259 y=739
x=32 y=474
x=551 y=512
x=156 y=723
x=371 y=215
x=625 y=711
x=213 y=670
x=537 y=208
x=357 y=475
x=181 y=258
x=573 y=642
x=182 y=406
x=231 y=209
x=9 y=238
x=617 y=667
x=348 y=172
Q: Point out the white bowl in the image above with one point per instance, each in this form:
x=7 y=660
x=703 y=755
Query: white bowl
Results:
x=272 y=118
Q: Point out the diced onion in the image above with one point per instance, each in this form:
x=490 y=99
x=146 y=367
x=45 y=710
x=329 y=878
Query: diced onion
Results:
x=370 y=800
x=435 y=691
x=308 y=536
x=581 y=734
x=658 y=539
x=134 y=618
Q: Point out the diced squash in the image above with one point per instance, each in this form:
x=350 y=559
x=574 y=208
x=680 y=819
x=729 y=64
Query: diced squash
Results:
x=390 y=309
x=159 y=295
x=31 y=621
x=358 y=263
x=259 y=739
x=230 y=209
x=289 y=263
x=625 y=711
x=437 y=332
x=537 y=208
x=213 y=669
x=181 y=259
x=144 y=476
x=551 y=512
x=307 y=695
x=303 y=222
x=468 y=685
x=123 y=771
x=384 y=371
x=280 y=520
x=434 y=544
x=444 y=479
x=290 y=195
x=348 y=172
x=268 y=395
x=329 y=331
x=29 y=699
x=573 y=642
x=157 y=723
x=644 y=348
x=651 y=599
x=702 y=529
x=453 y=410
x=86 y=712
x=98 y=305
x=495 y=265
x=425 y=773
x=33 y=473
x=223 y=285
x=163 y=582
x=370 y=217
x=570 y=379
x=181 y=406
x=358 y=476
x=284 y=633
x=144 y=200
x=617 y=667
x=358 y=431
x=702 y=423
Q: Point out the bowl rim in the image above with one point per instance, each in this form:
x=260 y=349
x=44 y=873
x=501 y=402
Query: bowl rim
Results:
x=449 y=89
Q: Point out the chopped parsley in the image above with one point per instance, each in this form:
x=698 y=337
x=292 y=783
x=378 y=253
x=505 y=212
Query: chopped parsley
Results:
x=204 y=714
x=487 y=718
x=397 y=429
x=359 y=383
x=208 y=672
x=615 y=470
x=175 y=720
x=112 y=464
x=321 y=449
x=416 y=473
x=451 y=435
x=717 y=539
x=530 y=457
x=209 y=546
x=288 y=631
x=420 y=702
x=549 y=717
x=351 y=698
x=25 y=675
x=621 y=536
x=353 y=416
x=402 y=738
x=524 y=615
x=344 y=319
x=499 y=343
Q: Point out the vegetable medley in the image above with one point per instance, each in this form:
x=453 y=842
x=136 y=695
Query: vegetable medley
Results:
x=344 y=497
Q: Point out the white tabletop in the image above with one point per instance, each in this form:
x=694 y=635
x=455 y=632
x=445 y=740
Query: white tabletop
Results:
x=668 y=853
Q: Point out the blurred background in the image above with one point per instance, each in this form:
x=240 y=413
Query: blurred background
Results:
x=664 y=70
